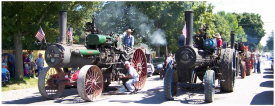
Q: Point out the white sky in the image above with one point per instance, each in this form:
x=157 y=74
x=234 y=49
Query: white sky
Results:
x=265 y=8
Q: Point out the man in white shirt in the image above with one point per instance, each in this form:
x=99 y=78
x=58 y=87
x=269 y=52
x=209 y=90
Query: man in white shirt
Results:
x=40 y=63
x=133 y=77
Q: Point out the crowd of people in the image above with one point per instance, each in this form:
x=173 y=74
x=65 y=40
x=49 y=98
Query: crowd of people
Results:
x=29 y=65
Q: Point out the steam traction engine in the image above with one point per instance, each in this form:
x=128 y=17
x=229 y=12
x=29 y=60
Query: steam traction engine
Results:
x=200 y=61
x=245 y=62
x=99 y=58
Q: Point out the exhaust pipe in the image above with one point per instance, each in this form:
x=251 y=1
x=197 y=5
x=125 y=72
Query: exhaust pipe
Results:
x=62 y=26
x=189 y=27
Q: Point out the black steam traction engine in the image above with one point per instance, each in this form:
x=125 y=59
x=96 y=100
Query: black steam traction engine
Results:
x=201 y=61
x=245 y=62
x=99 y=58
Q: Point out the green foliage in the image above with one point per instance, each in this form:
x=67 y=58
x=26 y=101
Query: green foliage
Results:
x=270 y=41
x=26 y=17
x=252 y=25
x=227 y=22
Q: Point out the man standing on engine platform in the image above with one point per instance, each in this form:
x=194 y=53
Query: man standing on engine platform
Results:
x=219 y=42
x=129 y=39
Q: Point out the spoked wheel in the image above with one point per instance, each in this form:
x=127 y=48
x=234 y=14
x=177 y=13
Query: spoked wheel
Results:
x=47 y=82
x=140 y=64
x=170 y=84
x=209 y=87
x=90 y=83
x=243 y=69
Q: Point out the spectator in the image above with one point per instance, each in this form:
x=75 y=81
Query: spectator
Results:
x=32 y=63
x=27 y=64
x=24 y=55
x=4 y=59
x=12 y=62
x=5 y=72
x=259 y=64
x=255 y=63
x=40 y=63
x=133 y=77
x=129 y=39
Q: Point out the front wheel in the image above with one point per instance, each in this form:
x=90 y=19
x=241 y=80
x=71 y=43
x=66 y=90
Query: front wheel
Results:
x=47 y=82
x=170 y=84
x=209 y=87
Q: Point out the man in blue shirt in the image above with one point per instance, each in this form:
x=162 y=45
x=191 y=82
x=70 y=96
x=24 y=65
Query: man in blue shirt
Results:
x=12 y=62
x=4 y=73
x=40 y=63
x=129 y=39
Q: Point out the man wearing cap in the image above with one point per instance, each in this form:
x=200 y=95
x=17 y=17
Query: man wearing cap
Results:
x=133 y=77
x=219 y=41
x=129 y=39
x=40 y=63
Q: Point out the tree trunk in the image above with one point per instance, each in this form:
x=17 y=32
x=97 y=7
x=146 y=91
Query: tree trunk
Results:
x=18 y=56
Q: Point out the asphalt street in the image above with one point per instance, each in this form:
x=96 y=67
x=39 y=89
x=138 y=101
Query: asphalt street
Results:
x=256 y=89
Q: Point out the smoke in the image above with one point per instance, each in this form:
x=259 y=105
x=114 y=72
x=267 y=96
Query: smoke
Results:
x=117 y=17
x=158 y=37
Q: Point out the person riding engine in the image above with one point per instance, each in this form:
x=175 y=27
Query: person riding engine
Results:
x=129 y=39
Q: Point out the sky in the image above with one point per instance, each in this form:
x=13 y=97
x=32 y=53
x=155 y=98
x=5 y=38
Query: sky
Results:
x=265 y=8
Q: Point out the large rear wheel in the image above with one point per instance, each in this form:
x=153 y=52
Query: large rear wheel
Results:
x=237 y=66
x=47 y=82
x=139 y=62
x=248 y=67
x=243 y=69
x=90 y=83
x=226 y=67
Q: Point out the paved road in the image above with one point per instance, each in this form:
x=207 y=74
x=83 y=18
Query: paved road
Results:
x=256 y=89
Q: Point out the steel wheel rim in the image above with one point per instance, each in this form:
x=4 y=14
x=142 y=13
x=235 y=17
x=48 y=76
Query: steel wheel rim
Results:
x=52 y=89
x=93 y=83
x=140 y=64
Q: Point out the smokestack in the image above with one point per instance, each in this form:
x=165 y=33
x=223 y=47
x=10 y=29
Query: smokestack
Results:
x=189 y=27
x=62 y=26
x=232 y=39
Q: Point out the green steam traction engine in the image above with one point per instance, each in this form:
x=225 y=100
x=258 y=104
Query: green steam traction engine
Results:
x=99 y=58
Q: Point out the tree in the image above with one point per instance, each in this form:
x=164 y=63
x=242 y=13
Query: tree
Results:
x=270 y=41
x=21 y=20
x=227 y=24
x=252 y=25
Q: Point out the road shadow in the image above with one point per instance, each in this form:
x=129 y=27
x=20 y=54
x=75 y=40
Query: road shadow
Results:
x=267 y=84
x=268 y=72
x=268 y=76
x=263 y=98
